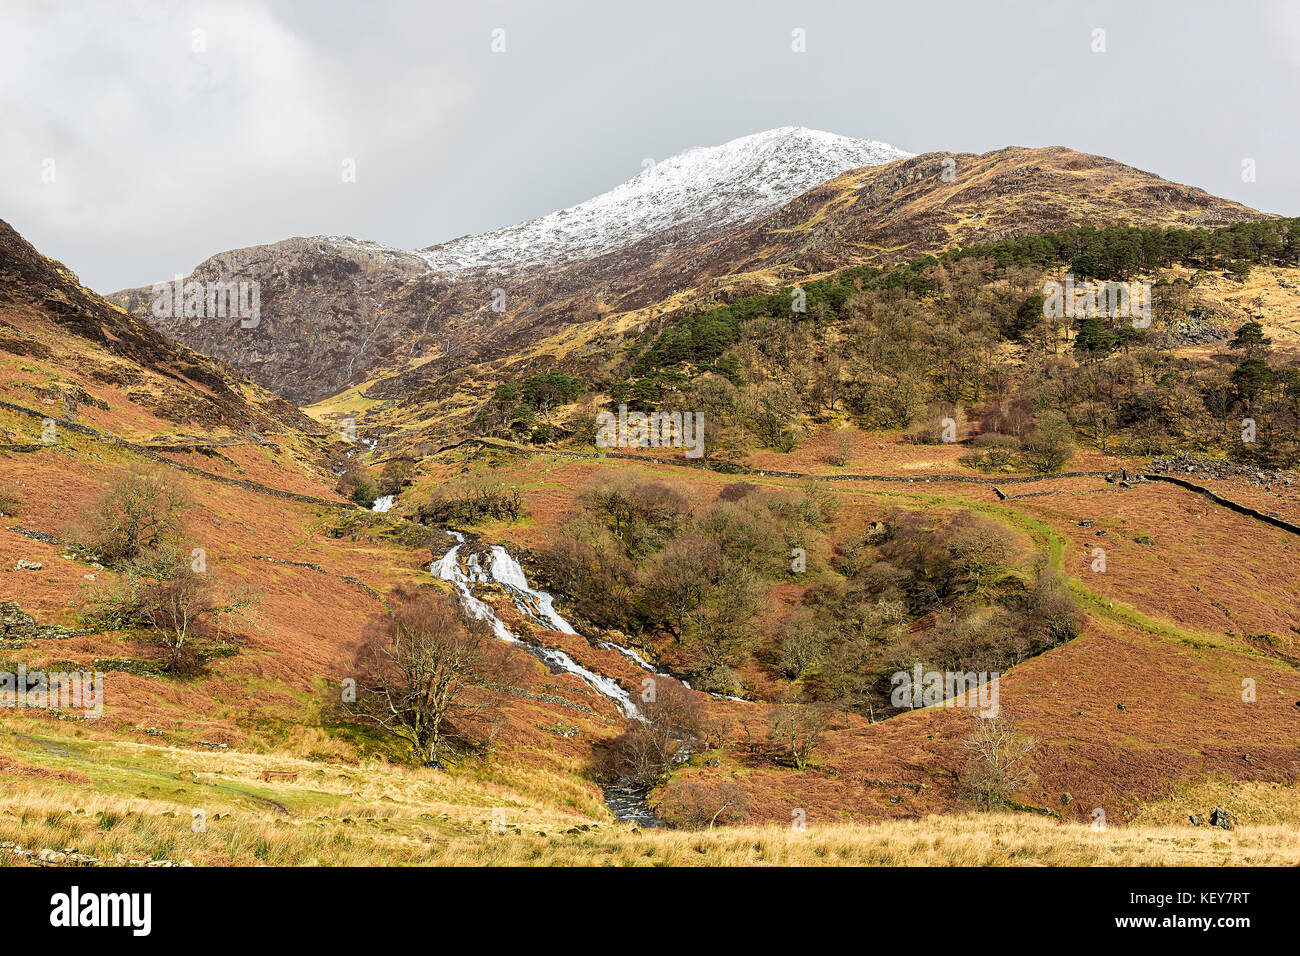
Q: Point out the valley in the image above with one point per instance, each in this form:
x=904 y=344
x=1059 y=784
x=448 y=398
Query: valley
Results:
x=908 y=465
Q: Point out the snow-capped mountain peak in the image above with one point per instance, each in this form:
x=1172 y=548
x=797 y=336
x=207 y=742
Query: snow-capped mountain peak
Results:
x=699 y=189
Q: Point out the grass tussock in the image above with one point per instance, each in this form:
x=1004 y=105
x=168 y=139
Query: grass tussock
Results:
x=141 y=803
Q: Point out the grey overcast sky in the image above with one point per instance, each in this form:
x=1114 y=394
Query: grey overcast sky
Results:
x=166 y=145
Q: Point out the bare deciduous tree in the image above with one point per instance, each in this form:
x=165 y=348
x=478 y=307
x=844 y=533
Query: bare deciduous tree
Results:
x=998 y=761
x=797 y=729
x=428 y=671
x=140 y=510
x=679 y=580
x=186 y=606
x=699 y=804
x=673 y=725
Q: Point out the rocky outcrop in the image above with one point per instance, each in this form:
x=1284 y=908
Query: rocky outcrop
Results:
x=71 y=857
x=1219 y=469
x=172 y=380
x=1218 y=818
x=17 y=627
x=338 y=312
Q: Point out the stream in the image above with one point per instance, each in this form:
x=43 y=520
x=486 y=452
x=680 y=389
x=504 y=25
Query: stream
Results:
x=535 y=605
x=627 y=804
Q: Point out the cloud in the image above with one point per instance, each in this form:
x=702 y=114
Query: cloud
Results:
x=189 y=125
x=165 y=155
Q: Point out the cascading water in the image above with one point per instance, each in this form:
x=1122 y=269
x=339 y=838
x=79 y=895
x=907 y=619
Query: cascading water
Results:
x=637 y=659
x=538 y=605
x=627 y=803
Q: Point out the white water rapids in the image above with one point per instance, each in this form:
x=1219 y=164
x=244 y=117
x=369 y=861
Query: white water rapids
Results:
x=627 y=803
x=538 y=605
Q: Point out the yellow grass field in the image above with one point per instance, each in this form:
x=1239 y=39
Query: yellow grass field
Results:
x=129 y=804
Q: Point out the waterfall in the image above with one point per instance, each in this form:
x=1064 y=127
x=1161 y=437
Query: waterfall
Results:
x=537 y=605
x=627 y=804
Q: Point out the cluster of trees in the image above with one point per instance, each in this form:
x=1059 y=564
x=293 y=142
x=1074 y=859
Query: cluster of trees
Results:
x=883 y=346
x=523 y=407
x=676 y=727
x=634 y=556
x=1012 y=439
x=136 y=527
x=469 y=500
x=1117 y=253
x=431 y=677
x=955 y=595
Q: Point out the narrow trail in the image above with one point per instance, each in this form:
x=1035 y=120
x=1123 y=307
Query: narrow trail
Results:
x=1112 y=610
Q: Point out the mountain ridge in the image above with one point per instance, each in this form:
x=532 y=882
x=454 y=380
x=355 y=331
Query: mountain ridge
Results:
x=46 y=310
x=337 y=312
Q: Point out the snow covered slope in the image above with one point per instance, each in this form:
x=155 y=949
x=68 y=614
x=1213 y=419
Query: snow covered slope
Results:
x=699 y=189
x=336 y=309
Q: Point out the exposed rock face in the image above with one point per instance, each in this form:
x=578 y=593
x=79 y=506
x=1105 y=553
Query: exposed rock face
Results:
x=336 y=312
x=44 y=310
x=336 y=309
x=328 y=310
x=1199 y=328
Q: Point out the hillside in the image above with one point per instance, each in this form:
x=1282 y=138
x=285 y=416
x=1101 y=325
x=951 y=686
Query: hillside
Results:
x=1129 y=679
x=336 y=310
x=80 y=346
x=877 y=216
x=338 y=313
